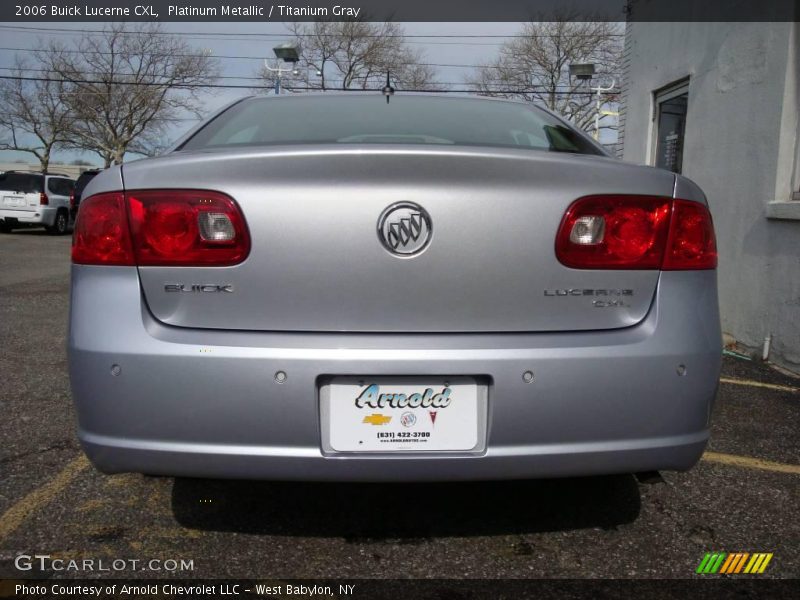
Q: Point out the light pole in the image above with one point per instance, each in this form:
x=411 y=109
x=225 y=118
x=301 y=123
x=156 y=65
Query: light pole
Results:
x=288 y=53
x=600 y=90
x=585 y=72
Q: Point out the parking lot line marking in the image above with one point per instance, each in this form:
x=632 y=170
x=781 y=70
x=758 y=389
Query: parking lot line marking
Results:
x=751 y=463
x=750 y=382
x=40 y=497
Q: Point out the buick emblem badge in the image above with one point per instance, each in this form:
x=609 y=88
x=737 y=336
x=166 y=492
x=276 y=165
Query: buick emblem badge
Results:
x=405 y=229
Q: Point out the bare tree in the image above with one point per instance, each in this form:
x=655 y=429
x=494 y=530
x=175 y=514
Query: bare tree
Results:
x=127 y=85
x=535 y=66
x=34 y=117
x=353 y=55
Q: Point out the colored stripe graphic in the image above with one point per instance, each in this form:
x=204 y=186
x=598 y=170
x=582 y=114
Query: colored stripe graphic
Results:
x=734 y=563
x=764 y=564
x=703 y=563
x=728 y=563
x=758 y=563
x=711 y=562
x=740 y=565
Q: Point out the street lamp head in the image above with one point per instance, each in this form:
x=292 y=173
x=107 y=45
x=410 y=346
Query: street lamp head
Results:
x=287 y=52
x=582 y=71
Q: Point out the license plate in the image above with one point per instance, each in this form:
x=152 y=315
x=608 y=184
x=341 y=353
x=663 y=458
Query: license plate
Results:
x=13 y=201
x=365 y=414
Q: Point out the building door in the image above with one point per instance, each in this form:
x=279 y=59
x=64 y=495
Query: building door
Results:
x=671 y=106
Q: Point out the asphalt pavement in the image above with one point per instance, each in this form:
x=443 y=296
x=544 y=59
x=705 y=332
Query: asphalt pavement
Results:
x=743 y=497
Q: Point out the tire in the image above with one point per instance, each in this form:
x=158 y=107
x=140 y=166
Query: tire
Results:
x=60 y=225
x=4 y=228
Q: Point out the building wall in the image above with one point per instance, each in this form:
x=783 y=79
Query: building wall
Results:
x=625 y=67
x=741 y=147
x=70 y=170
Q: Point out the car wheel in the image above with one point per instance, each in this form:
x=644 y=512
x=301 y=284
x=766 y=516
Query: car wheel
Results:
x=4 y=227
x=60 y=225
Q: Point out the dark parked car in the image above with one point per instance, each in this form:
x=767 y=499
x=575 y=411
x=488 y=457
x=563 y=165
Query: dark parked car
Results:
x=80 y=185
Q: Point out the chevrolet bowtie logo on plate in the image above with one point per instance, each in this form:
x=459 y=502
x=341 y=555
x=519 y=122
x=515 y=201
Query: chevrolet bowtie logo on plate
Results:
x=376 y=419
x=405 y=229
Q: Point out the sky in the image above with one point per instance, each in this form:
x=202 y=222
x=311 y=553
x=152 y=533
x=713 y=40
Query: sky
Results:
x=449 y=51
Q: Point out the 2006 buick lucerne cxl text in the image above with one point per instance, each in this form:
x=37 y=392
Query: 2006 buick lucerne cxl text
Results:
x=337 y=287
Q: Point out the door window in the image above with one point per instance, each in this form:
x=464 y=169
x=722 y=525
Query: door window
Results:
x=60 y=187
x=671 y=109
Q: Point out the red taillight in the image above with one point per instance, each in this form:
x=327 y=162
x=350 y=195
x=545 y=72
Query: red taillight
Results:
x=691 y=243
x=636 y=232
x=169 y=228
x=43 y=199
x=629 y=232
x=101 y=234
x=187 y=227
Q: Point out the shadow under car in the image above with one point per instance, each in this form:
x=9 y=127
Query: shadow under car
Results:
x=402 y=512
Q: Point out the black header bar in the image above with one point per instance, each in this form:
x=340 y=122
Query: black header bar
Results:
x=398 y=10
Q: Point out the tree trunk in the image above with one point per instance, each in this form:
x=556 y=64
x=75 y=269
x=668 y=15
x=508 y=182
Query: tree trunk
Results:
x=44 y=160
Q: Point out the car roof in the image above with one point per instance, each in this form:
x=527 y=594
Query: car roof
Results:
x=36 y=173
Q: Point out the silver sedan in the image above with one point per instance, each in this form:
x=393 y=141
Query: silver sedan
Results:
x=337 y=287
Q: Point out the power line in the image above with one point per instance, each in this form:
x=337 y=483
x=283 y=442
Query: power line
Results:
x=290 y=34
x=223 y=56
x=268 y=38
x=261 y=58
x=328 y=80
x=35 y=70
x=301 y=88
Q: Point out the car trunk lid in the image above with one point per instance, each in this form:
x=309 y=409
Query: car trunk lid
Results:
x=317 y=262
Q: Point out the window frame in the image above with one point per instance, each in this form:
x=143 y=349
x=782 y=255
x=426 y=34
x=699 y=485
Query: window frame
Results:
x=785 y=203
x=659 y=96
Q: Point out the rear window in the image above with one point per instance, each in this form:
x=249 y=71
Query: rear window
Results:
x=369 y=119
x=21 y=182
x=83 y=181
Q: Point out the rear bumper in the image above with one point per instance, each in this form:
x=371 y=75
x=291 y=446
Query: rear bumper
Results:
x=114 y=455
x=44 y=215
x=205 y=403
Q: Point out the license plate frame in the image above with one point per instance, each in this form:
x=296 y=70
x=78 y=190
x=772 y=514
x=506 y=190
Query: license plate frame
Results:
x=336 y=392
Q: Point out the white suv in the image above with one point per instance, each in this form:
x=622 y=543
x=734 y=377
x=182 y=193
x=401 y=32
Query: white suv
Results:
x=35 y=199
